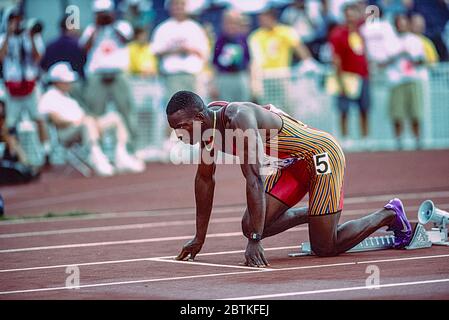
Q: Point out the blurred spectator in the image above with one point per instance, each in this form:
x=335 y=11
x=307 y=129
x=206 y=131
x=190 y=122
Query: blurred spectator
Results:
x=445 y=35
x=183 y=49
x=142 y=61
x=436 y=15
x=351 y=68
x=107 y=61
x=9 y=146
x=72 y=122
x=308 y=18
x=65 y=48
x=380 y=39
x=301 y=19
x=231 y=60
x=336 y=10
x=418 y=27
x=406 y=91
x=21 y=49
x=14 y=166
x=272 y=47
x=391 y=8
x=138 y=13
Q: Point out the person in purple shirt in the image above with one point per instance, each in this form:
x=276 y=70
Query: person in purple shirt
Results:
x=65 y=48
x=231 y=60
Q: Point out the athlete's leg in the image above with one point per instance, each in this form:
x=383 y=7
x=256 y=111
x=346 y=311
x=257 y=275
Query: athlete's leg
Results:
x=327 y=238
x=278 y=218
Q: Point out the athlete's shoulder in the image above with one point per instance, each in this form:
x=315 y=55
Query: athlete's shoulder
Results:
x=218 y=104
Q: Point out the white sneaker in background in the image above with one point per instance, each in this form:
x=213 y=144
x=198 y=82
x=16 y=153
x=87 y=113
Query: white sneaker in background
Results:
x=347 y=144
x=150 y=154
x=100 y=162
x=124 y=162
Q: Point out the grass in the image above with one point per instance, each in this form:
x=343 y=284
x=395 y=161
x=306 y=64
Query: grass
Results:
x=68 y=214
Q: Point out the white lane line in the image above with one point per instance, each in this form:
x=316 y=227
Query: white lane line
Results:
x=405 y=259
x=217 y=265
x=443 y=206
x=123 y=242
x=302 y=293
x=92 y=194
x=115 y=228
x=237 y=251
x=108 y=243
x=201 y=276
x=132 y=260
x=129 y=189
x=121 y=215
x=402 y=196
x=183 y=211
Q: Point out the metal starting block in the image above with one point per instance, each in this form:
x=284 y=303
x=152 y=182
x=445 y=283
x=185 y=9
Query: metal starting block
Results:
x=420 y=240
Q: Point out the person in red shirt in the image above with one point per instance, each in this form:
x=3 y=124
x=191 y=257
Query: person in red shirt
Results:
x=349 y=59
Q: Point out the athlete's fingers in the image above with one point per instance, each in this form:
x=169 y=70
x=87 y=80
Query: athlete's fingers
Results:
x=250 y=263
x=258 y=261
x=265 y=261
x=184 y=253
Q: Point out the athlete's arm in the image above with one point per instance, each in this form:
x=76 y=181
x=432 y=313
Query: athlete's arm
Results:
x=204 y=194
x=251 y=157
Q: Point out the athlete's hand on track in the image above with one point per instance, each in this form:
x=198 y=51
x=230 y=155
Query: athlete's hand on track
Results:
x=254 y=255
x=190 y=249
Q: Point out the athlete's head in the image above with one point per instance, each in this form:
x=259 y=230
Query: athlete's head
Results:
x=184 y=111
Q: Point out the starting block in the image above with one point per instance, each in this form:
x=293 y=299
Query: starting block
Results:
x=427 y=212
x=420 y=240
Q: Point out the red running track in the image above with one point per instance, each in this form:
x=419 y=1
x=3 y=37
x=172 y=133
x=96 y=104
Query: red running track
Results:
x=125 y=250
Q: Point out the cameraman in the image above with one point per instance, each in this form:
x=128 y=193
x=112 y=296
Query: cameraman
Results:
x=105 y=44
x=21 y=48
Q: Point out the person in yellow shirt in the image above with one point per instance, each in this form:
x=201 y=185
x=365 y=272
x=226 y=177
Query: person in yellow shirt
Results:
x=141 y=59
x=272 y=46
x=273 y=43
x=418 y=25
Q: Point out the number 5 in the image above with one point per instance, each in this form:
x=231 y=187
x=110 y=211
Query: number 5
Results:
x=322 y=165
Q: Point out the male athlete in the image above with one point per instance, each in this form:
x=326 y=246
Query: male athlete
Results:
x=311 y=162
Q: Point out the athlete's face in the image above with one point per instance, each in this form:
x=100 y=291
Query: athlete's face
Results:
x=188 y=126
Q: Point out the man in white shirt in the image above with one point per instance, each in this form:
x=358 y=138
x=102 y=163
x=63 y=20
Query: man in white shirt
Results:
x=404 y=75
x=381 y=40
x=183 y=49
x=107 y=61
x=72 y=121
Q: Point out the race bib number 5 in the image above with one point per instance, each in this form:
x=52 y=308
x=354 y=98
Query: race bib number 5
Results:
x=322 y=165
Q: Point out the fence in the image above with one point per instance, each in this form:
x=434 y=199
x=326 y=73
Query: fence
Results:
x=307 y=100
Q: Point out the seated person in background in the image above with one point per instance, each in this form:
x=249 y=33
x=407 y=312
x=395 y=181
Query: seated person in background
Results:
x=72 y=121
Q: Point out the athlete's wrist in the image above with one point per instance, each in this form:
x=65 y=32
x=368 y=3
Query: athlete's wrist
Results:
x=255 y=237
